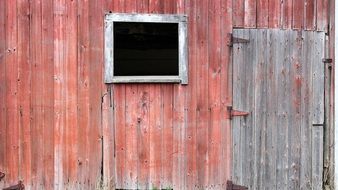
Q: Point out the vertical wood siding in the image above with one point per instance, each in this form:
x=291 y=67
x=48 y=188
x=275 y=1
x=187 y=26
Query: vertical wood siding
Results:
x=287 y=14
x=279 y=79
x=61 y=126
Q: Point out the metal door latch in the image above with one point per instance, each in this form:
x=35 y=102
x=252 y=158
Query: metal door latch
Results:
x=234 y=113
x=235 y=40
x=231 y=186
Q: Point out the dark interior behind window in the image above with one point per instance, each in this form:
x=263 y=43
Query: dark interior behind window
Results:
x=144 y=49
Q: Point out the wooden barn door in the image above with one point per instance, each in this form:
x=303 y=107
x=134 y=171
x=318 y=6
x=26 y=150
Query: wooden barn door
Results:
x=278 y=77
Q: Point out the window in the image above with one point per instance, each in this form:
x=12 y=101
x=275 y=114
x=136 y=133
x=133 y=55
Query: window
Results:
x=146 y=48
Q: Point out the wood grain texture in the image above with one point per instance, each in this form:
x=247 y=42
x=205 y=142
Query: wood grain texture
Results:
x=298 y=14
x=238 y=13
x=47 y=52
x=95 y=94
x=322 y=15
x=11 y=83
x=279 y=79
x=3 y=104
x=262 y=13
x=226 y=92
x=24 y=83
x=83 y=86
x=202 y=94
x=59 y=114
x=61 y=126
x=179 y=124
x=286 y=13
x=191 y=157
x=274 y=14
x=37 y=98
x=250 y=13
x=310 y=14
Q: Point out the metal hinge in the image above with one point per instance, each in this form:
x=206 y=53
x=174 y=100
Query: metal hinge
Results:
x=2 y=175
x=318 y=125
x=234 y=40
x=231 y=186
x=18 y=186
x=328 y=61
x=234 y=113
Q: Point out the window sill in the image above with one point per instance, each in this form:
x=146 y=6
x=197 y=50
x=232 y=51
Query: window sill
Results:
x=145 y=79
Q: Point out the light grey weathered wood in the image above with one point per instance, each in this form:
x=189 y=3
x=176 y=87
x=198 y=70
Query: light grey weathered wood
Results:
x=279 y=78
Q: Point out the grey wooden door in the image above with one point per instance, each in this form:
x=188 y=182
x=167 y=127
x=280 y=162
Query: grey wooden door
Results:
x=278 y=76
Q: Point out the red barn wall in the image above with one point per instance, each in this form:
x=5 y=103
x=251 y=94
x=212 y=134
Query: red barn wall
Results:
x=58 y=120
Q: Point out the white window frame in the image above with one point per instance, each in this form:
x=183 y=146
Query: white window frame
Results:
x=181 y=20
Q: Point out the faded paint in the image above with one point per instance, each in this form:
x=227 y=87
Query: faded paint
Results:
x=58 y=120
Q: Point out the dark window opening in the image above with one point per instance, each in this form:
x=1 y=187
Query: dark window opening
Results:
x=145 y=49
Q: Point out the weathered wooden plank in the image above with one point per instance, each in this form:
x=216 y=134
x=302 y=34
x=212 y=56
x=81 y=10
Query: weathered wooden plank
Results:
x=167 y=136
x=202 y=94
x=294 y=132
x=283 y=89
x=143 y=136
x=108 y=6
x=167 y=122
x=274 y=14
x=12 y=109
x=179 y=124
x=238 y=13
x=286 y=14
x=318 y=78
x=131 y=137
x=238 y=58
x=155 y=132
x=169 y=8
x=259 y=110
x=47 y=51
x=119 y=119
x=119 y=124
x=191 y=166
x=250 y=13
x=154 y=6
x=226 y=93
x=156 y=125
x=3 y=92
x=322 y=15
x=298 y=14
x=178 y=136
x=317 y=157
x=143 y=6
x=214 y=95
x=318 y=110
x=59 y=115
x=310 y=14
x=23 y=90
x=271 y=118
x=83 y=84
x=37 y=97
x=108 y=131
x=95 y=94
x=71 y=121
x=247 y=97
x=330 y=113
x=262 y=13
x=306 y=117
